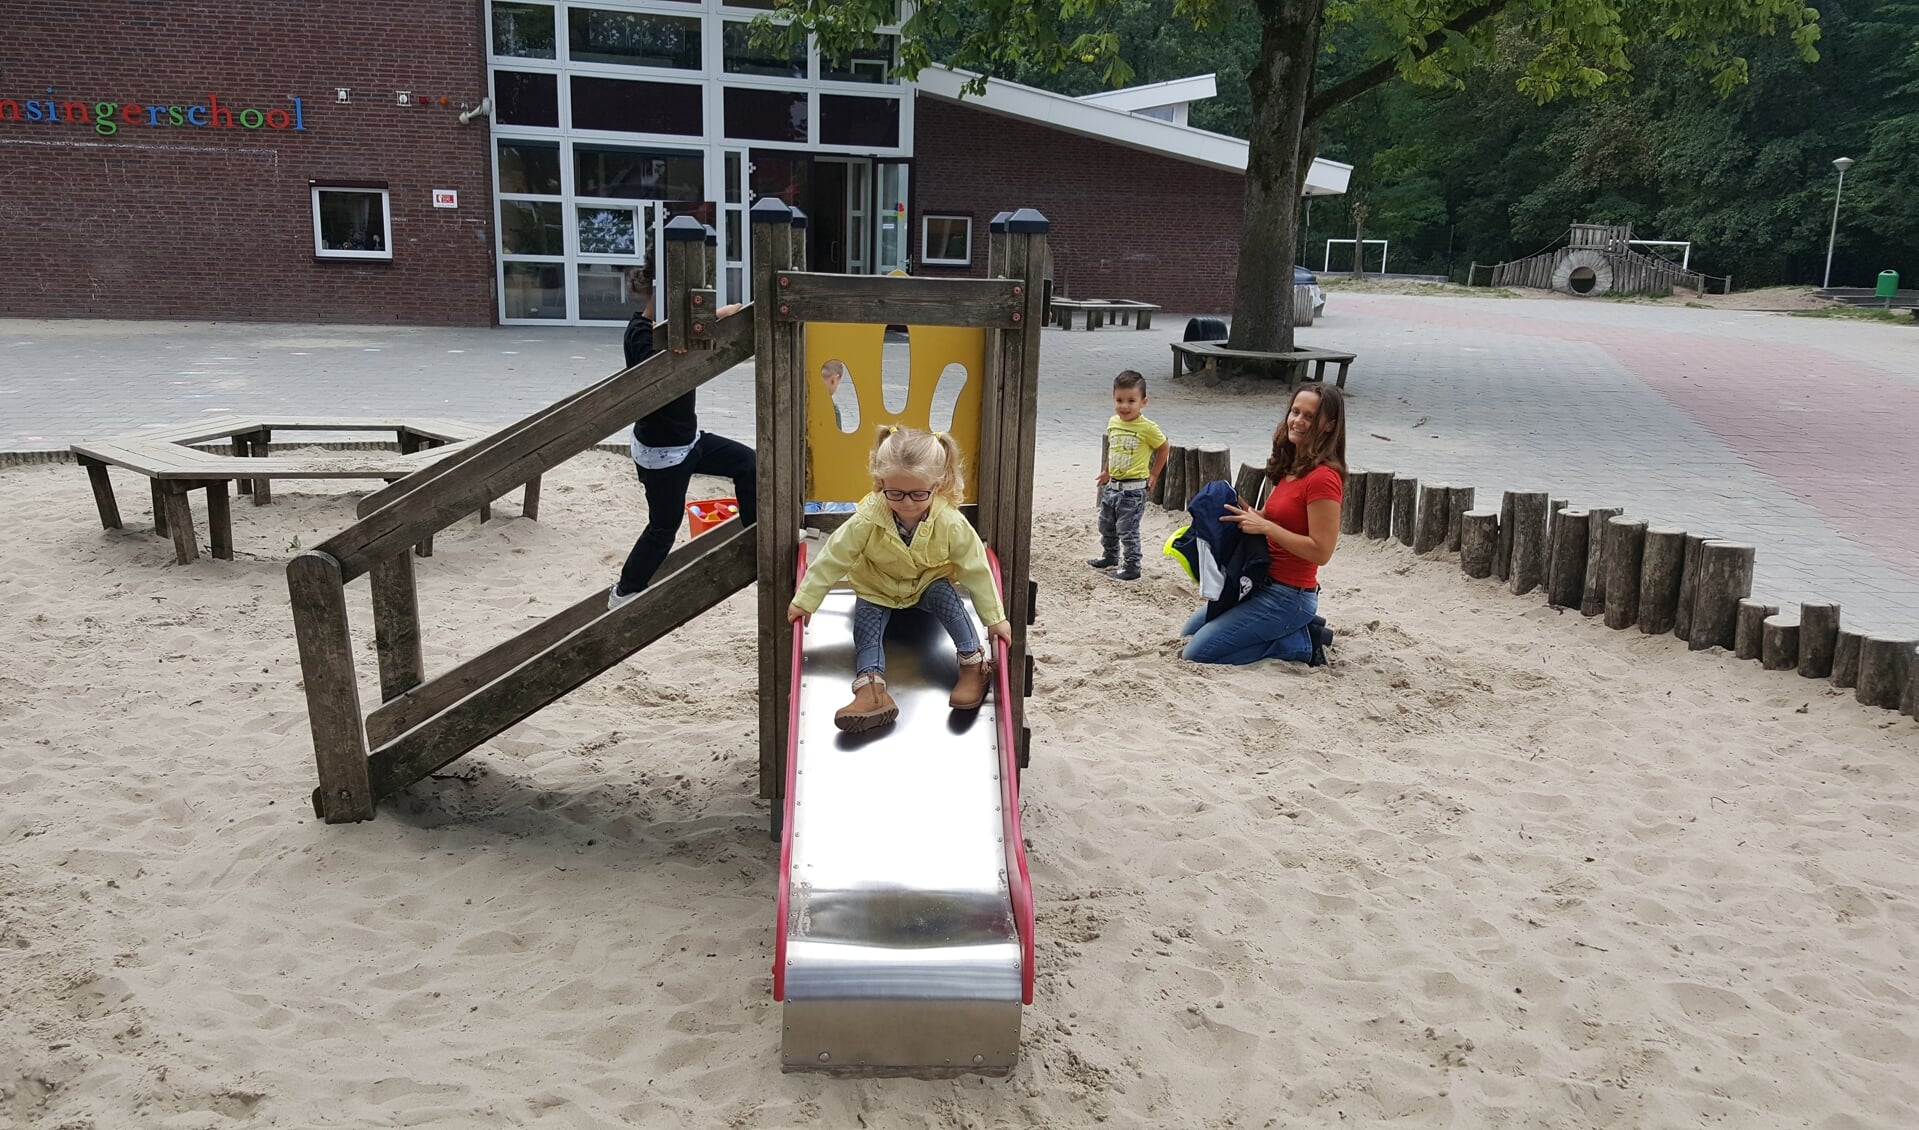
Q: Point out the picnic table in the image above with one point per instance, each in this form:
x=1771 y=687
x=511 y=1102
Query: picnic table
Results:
x=177 y=461
x=1294 y=361
x=1101 y=310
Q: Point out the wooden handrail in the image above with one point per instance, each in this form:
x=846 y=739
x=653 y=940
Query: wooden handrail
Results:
x=535 y=445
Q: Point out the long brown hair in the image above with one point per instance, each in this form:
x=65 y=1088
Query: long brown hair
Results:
x=1326 y=447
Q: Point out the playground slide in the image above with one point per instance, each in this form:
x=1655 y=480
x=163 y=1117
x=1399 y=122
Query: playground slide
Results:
x=905 y=941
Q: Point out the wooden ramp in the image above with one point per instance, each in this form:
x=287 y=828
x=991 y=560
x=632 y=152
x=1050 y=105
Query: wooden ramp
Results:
x=423 y=724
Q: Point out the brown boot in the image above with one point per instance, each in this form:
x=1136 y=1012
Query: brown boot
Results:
x=870 y=709
x=969 y=690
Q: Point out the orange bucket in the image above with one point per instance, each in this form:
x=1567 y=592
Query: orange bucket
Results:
x=703 y=514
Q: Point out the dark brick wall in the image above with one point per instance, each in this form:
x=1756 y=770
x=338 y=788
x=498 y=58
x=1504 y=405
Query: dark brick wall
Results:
x=184 y=222
x=1125 y=224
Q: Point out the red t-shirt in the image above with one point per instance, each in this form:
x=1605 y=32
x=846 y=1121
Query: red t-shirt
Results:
x=1286 y=506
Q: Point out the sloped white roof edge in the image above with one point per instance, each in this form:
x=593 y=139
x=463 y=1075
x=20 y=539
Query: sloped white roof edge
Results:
x=1102 y=123
x=1172 y=92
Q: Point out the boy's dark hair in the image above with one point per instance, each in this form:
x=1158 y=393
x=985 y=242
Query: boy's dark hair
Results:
x=639 y=280
x=1129 y=379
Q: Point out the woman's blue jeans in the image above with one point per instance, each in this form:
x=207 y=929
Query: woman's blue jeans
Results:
x=1269 y=624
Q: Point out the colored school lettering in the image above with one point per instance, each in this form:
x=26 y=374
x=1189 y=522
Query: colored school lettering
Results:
x=106 y=118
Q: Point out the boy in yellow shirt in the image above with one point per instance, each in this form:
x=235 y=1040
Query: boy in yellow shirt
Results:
x=1132 y=456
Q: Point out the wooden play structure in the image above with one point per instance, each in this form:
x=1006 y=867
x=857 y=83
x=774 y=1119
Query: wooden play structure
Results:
x=1598 y=259
x=424 y=723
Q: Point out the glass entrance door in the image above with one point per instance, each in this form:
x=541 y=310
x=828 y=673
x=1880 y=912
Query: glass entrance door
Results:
x=889 y=209
x=842 y=198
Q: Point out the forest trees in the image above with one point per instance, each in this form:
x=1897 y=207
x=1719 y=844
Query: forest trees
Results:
x=1312 y=57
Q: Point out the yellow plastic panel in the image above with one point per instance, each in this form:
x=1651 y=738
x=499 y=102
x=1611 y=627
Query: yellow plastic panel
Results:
x=835 y=460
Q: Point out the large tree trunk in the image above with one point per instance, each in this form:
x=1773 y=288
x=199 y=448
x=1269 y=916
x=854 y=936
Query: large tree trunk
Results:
x=1280 y=82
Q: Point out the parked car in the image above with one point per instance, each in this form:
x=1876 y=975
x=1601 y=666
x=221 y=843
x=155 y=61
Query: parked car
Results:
x=1304 y=277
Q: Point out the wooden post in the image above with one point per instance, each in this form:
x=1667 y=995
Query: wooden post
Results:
x=1528 y=562
x=1429 y=531
x=1845 y=658
x=1190 y=477
x=1722 y=578
x=1251 y=479
x=396 y=625
x=797 y=248
x=1818 y=636
x=777 y=421
x=1566 y=577
x=530 y=501
x=1503 y=551
x=685 y=251
x=1593 y=600
x=1478 y=540
x=1215 y=464
x=1688 y=577
x=220 y=519
x=1779 y=643
x=1405 y=508
x=179 y=510
x=242 y=448
x=159 y=496
x=1885 y=663
x=1625 y=551
x=1749 y=637
x=1379 y=504
x=1553 y=507
x=1026 y=260
x=1170 y=486
x=260 y=445
x=1456 y=507
x=1352 y=507
x=1660 y=569
x=996 y=245
x=318 y=593
x=103 y=500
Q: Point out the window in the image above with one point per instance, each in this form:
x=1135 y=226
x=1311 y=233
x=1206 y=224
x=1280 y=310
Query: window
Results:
x=523 y=31
x=531 y=167
x=868 y=64
x=741 y=56
x=531 y=227
x=635 y=38
x=865 y=122
x=765 y=115
x=946 y=240
x=636 y=107
x=351 y=223
x=527 y=99
x=638 y=174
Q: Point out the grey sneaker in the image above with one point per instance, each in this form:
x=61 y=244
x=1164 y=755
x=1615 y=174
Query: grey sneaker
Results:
x=615 y=599
x=1102 y=562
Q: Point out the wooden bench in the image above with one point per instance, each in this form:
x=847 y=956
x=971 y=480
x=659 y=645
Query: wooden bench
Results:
x=1295 y=360
x=1101 y=310
x=176 y=463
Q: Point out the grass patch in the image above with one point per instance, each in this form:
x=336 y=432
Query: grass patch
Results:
x=1860 y=314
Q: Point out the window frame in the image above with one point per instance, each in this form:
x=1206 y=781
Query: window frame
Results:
x=321 y=251
x=926 y=258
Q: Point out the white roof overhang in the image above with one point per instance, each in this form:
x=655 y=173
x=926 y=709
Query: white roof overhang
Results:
x=1118 y=127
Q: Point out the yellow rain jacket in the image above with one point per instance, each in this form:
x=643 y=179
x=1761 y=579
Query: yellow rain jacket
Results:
x=883 y=569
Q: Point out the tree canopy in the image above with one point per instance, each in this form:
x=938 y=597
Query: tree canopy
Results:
x=1489 y=64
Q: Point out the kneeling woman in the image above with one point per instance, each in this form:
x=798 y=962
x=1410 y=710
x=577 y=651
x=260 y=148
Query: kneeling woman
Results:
x=1301 y=525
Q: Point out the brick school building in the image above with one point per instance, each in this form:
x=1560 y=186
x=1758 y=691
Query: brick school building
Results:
x=478 y=162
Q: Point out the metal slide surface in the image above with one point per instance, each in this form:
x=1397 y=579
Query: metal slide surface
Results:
x=905 y=942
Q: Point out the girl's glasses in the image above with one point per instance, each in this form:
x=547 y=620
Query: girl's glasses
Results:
x=903 y=495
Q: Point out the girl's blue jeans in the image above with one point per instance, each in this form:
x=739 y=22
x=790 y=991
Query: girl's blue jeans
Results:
x=869 y=626
x=1269 y=624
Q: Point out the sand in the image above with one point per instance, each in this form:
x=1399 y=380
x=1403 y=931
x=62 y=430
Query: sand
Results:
x=1497 y=866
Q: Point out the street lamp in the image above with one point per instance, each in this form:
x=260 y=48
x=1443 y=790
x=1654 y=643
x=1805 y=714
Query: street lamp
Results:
x=1842 y=164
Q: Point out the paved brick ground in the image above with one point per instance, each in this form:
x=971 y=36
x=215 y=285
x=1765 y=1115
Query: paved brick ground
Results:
x=1797 y=435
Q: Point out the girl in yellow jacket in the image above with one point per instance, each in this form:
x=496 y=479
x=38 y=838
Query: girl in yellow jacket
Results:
x=904 y=546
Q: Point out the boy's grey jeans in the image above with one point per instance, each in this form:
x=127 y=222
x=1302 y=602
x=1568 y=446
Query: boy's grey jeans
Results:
x=1119 y=513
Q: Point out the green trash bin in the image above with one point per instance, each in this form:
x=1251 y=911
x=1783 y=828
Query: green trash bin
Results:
x=1888 y=284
